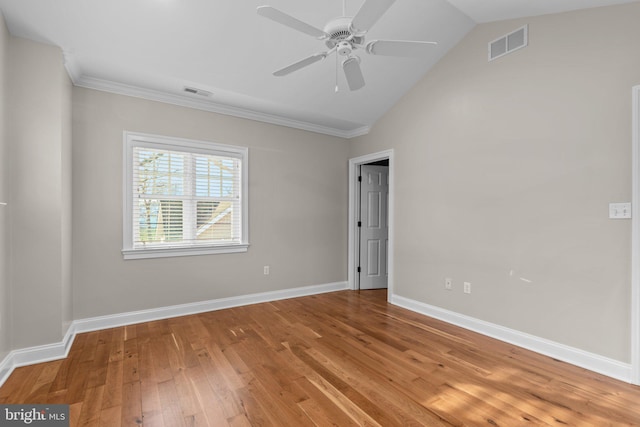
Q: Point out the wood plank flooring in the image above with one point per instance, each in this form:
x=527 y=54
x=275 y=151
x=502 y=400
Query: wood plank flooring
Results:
x=343 y=359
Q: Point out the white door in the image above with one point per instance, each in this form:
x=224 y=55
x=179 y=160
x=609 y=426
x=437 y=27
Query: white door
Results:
x=374 y=226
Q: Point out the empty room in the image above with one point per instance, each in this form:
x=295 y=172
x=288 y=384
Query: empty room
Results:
x=342 y=212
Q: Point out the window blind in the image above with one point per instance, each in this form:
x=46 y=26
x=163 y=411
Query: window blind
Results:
x=183 y=194
x=184 y=198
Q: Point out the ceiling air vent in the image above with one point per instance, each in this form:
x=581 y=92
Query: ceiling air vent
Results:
x=509 y=43
x=195 y=91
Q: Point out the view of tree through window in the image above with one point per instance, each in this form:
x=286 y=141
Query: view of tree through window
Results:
x=184 y=196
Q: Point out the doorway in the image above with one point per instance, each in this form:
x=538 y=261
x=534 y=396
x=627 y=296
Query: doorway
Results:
x=380 y=252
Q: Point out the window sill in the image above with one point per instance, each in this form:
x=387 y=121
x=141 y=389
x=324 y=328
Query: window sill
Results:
x=186 y=251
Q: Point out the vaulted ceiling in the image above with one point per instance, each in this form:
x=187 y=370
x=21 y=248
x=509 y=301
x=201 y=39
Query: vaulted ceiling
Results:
x=156 y=48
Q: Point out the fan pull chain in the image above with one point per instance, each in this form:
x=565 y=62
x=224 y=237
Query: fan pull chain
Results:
x=336 y=90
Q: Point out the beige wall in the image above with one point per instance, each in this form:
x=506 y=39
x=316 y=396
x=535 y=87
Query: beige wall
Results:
x=504 y=172
x=4 y=196
x=503 y=175
x=38 y=132
x=297 y=209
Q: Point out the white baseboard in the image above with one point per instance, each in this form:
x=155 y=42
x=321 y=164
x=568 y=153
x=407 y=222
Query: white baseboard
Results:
x=45 y=353
x=37 y=354
x=133 y=317
x=593 y=362
x=49 y=352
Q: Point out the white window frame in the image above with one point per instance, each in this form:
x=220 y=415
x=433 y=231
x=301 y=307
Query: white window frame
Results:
x=134 y=139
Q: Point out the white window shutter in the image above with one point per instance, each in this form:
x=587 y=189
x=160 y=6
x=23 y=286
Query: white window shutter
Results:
x=183 y=197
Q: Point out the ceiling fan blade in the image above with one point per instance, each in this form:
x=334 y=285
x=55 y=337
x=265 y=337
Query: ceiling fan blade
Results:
x=353 y=73
x=369 y=14
x=291 y=22
x=399 y=48
x=300 y=64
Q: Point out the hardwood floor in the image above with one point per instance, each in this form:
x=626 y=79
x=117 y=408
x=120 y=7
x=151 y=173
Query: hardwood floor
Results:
x=344 y=358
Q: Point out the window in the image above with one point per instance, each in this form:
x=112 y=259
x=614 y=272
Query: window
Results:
x=183 y=197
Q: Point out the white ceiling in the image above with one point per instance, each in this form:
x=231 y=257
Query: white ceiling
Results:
x=153 y=48
x=498 y=10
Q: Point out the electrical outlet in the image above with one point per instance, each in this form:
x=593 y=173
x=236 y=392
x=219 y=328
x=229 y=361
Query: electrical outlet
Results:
x=266 y=270
x=467 y=287
x=448 y=283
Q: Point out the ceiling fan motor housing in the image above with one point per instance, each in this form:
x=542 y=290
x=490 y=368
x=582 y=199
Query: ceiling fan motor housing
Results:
x=339 y=30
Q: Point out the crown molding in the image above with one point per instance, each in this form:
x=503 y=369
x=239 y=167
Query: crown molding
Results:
x=71 y=66
x=184 y=101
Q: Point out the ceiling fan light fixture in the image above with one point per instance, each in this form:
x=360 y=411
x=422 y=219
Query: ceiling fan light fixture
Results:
x=344 y=48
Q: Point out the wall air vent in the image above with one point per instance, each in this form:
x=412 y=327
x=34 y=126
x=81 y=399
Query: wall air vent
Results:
x=509 y=43
x=195 y=91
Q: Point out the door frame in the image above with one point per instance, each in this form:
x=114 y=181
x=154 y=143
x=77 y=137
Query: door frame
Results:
x=354 y=202
x=635 y=239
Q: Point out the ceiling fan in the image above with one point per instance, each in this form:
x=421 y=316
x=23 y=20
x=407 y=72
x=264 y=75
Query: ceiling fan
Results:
x=344 y=35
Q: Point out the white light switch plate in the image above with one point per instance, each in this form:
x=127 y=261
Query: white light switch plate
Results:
x=619 y=210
